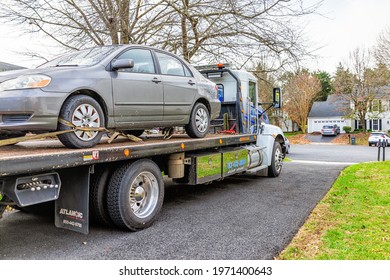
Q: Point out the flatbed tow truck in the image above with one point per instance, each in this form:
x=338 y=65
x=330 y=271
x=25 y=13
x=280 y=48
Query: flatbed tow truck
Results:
x=122 y=184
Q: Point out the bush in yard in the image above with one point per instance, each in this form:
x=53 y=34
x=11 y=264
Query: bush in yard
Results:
x=347 y=129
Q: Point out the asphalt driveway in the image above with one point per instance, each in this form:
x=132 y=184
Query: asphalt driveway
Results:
x=320 y=139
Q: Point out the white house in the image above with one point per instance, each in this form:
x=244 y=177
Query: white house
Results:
x=333 y=111
x=329 y=112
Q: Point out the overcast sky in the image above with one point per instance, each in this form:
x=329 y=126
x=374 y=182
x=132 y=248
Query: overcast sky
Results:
x=346 y=25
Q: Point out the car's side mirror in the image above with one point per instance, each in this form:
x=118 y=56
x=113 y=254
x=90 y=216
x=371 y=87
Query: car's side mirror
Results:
x=122 y=64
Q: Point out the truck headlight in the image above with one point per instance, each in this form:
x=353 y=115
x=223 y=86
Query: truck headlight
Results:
x=26 y=81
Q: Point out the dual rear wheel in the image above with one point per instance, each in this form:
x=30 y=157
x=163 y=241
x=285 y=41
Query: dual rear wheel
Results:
x=129 y=197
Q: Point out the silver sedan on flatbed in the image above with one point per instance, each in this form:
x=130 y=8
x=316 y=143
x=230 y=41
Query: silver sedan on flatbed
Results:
x=123 y=87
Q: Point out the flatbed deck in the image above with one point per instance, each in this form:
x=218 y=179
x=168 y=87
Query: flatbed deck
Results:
x=47 y=155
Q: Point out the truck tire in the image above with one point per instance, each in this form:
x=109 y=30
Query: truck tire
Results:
x=98 y=210
x=276 y=161
x=84 y=111
x=135 y=195
x=199 y=121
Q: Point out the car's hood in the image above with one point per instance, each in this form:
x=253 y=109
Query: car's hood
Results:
x=7 y=75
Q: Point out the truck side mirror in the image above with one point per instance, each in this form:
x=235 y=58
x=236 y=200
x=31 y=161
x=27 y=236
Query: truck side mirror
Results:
x=277 y=98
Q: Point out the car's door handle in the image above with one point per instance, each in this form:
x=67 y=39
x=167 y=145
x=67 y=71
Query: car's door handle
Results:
x=191 y=82
x=156 y=80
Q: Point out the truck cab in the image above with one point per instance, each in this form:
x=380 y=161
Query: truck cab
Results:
x=236 y=85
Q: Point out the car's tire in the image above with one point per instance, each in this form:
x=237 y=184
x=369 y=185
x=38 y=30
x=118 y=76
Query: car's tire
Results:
x=199 y=123
x=135 y=195
x=98 y=210
x=136 y=133
x=276 y=161
x=84 y=111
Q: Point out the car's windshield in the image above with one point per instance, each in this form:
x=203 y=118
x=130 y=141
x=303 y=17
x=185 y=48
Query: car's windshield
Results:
x=85 y=57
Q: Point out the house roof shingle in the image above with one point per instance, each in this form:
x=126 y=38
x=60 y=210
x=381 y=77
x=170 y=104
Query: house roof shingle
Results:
x=334 y=106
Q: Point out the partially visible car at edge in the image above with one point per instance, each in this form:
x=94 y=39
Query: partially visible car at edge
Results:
x=287 y=145
x=123 y=87
x=375 y=137
x=330 y=130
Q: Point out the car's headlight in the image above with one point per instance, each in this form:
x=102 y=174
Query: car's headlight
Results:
x=26 y=81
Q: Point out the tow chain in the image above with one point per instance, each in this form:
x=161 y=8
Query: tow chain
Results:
x=114 y=134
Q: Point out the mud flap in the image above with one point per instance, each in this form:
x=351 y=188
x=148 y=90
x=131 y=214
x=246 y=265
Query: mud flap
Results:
x=71 y=208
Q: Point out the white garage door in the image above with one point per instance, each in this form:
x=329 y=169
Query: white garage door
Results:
x=318 y=123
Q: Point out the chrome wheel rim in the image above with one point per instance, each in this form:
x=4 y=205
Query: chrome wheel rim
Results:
x=201 y=120
x=278 y=159
x=86 y=115
x=143 y=194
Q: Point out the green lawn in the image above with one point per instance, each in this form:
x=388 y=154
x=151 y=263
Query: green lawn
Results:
x=352 y=222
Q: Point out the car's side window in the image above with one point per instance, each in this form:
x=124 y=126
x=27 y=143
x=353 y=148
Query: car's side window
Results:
x=170 y=65
x=143 y=61
x=187 y=71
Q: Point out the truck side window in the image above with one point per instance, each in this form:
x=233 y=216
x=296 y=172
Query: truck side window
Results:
x=143 y=61
x=221 y=92
x=252 y=92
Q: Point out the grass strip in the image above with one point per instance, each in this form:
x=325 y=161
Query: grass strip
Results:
x=352 y=222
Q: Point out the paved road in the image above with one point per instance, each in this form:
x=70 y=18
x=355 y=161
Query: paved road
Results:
x=238 y=218
x=334 y=153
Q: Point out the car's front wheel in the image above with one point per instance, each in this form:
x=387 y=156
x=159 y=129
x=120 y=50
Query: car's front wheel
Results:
x=81 y=111
x=199 y=121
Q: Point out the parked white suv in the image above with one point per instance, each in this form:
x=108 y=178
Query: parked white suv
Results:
x=375 y=137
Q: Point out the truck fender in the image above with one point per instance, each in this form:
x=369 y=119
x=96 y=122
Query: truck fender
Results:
x=266 y=138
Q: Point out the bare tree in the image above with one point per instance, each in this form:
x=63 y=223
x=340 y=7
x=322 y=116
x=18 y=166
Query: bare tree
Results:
x=299 y=94
x=361 y=85
x=382 y=49
x=199 y=30
x=76 y=24
x=243 y=30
